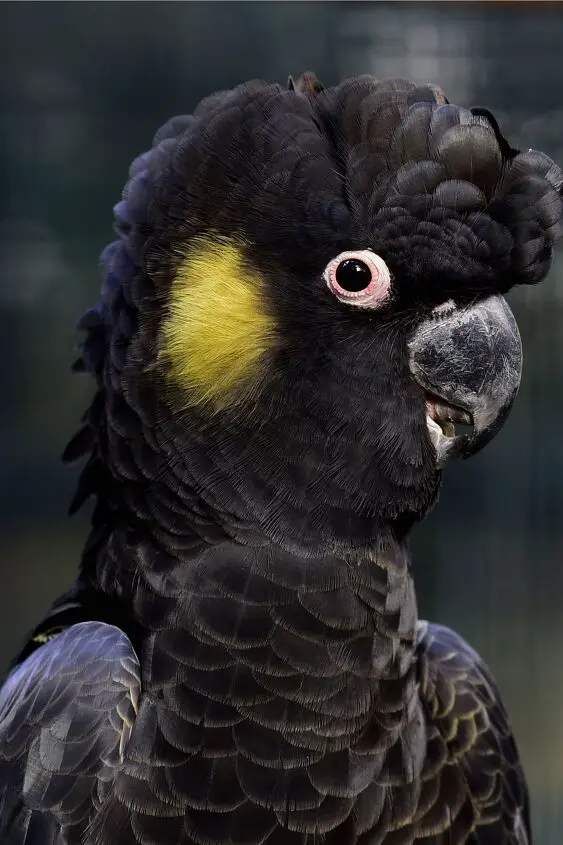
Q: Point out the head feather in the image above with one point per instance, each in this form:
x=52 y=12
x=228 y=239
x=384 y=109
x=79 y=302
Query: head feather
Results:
x=434 y=188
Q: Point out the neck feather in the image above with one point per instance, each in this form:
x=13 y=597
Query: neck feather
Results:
x=328 y=636
x=302 y=671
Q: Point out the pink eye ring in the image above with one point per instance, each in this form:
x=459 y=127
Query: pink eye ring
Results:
x=359 y=278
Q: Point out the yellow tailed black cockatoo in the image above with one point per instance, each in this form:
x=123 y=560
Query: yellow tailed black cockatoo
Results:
x=304 y=299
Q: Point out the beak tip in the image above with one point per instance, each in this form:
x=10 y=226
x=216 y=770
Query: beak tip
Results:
x=472 y=359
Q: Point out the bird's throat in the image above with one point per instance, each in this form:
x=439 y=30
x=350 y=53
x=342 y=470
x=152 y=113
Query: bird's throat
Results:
x=297 y=674
x=276 y=636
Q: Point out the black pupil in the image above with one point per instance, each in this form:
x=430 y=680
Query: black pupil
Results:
x=353 y=275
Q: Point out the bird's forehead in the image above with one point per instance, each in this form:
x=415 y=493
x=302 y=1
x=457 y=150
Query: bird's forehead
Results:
x=390 y=166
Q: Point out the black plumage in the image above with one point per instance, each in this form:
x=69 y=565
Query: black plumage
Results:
x=240 y=659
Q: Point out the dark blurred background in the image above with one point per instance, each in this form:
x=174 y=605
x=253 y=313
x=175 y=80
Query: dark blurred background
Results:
x=85 y=86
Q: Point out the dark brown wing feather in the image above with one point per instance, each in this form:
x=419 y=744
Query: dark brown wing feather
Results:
x=65 y=715
x=466 y=711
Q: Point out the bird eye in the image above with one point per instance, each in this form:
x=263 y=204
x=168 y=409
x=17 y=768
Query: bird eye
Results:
x=359 y=278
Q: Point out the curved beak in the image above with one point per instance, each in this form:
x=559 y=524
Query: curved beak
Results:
x=469 y=363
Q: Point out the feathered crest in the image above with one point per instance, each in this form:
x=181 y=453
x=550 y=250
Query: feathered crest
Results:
x=418 y=167
x=306 y=84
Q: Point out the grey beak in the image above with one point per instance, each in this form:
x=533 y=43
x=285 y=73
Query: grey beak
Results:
x=470 y=361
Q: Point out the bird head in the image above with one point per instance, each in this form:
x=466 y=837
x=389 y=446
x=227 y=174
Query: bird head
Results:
x=305 y=299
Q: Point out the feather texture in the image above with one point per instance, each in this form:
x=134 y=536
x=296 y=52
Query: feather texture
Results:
x=66 y=715
x=269 y=681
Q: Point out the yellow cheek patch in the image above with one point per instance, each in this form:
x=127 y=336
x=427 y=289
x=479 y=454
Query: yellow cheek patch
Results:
x=217 y=330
